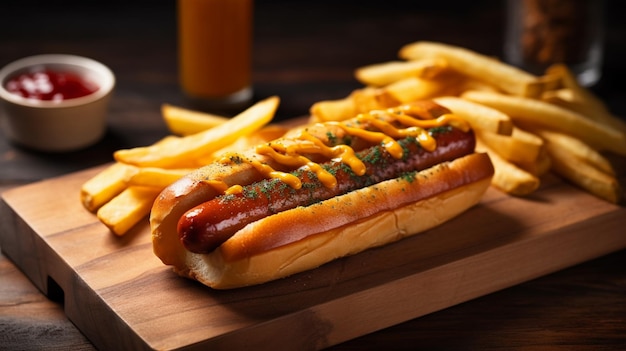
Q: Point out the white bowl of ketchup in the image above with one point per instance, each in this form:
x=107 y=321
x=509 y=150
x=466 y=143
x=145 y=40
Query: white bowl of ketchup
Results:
x=55 y=103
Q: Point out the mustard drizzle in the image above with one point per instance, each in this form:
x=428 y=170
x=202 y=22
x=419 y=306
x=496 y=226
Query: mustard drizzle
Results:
x=290 y=152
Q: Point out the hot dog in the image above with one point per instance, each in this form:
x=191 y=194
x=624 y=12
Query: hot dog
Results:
x=320 y=193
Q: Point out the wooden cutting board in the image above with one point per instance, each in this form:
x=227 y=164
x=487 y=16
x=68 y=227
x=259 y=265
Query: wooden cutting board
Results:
x=122 y=297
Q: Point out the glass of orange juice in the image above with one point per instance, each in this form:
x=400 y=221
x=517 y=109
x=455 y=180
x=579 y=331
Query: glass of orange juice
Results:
x=215 y=52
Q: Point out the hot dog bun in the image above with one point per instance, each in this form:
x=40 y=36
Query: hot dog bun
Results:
x=307 y=237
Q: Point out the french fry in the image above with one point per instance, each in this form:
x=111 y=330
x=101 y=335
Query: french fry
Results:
x=568 y=99
x=480 y=117
x=128 y=208
x=550 y=81
x=105 y=185
x=265 y=134
x=540 y=166
x=156 y=177
x=523 y=149
x=333 y=110
x=579 y=93
x=508 y=177
x=182 y=121
x=383 y=98
x=474 y=84
x=580 y=99
x=506 y=77
x=564 y=97
x=585 y=175
x=577 y=149
x=412 y=89
x=180 y=153
x=382 y=74
x=520 y=147
x=367 y=99
x=529 y=112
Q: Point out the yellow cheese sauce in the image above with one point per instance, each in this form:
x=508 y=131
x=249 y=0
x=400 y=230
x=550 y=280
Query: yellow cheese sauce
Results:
x=379 y=127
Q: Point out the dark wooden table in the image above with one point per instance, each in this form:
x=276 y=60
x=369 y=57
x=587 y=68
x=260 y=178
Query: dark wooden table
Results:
x=303 y=53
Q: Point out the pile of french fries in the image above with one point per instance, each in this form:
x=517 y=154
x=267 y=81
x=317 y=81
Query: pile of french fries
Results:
x=528 y=124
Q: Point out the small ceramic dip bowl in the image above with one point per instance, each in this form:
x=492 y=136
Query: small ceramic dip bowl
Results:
x=55 y=103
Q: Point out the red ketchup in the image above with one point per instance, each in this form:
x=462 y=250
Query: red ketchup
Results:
x=50 y=85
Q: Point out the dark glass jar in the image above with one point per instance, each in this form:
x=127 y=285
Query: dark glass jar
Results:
x=543 y=32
